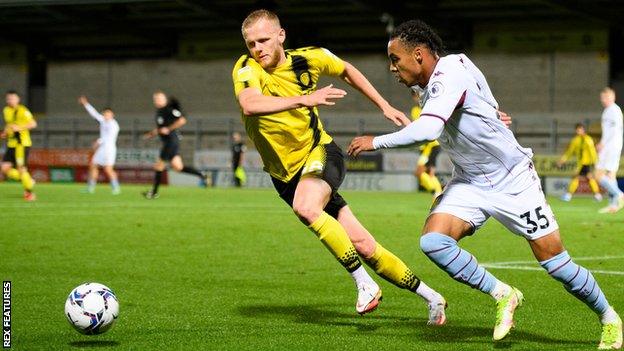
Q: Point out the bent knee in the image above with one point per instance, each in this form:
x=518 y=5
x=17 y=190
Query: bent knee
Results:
x=308 y=214
x=433 y=242
x=364 y=247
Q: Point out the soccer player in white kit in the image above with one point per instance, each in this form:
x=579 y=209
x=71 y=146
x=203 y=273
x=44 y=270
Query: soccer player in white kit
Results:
x=493 y=177
x=610 y=150
x=106 y=152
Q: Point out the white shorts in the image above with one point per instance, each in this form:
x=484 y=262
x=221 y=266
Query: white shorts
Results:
x=524 y=213
x=105 y=156
x=609 y=159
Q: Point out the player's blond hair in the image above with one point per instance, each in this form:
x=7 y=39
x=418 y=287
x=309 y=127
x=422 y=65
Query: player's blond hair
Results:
x=256 y=15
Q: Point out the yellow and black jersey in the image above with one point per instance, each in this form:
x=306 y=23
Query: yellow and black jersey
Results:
x=582 y=147
x=20 y=116
x=284 y=139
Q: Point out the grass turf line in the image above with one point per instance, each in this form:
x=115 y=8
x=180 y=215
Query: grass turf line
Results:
x=233 y=269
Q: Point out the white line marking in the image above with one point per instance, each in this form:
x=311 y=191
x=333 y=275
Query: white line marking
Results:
x=528 y=268
x=588 y=258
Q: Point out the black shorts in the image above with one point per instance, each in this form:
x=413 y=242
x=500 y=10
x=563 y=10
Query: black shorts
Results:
x=332 y=172
x=169 y=150
x=18 y=156
x=435 y=151
x=584 y=171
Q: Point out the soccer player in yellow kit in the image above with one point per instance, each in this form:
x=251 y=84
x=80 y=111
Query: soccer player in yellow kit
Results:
x=277 y=93
x=582 y=147
x=18 y=121
x=425 y=168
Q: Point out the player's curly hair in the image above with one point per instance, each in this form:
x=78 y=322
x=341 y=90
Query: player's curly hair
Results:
x=417 y=32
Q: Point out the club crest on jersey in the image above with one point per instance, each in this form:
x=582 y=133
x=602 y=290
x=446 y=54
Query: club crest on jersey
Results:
x=159 y=120
x=437 y=88
x=304 y=79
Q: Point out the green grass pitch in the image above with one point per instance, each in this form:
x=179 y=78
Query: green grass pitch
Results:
x=233 y=269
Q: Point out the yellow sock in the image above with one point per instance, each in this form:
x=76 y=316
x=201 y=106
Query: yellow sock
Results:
x=594 y=186
x=27 y=182
x=437 y=187
x=335 y=238
x=425 y=181
x=392 y=269
x=13 y=174
x=573 y=185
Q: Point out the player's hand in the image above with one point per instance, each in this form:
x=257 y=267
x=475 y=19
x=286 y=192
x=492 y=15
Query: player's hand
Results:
x=397 y=117
x=505 y=118
x=360 y=144
x=3 y=134
x=323 y=96
x=14 y=127
x=164 y=131
x=599 y=147
x=152 y=133
x=83 y=100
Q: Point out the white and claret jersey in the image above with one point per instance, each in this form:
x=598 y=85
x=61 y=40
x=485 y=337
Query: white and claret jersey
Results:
x=483 y=150
x=612 y=128
x=109 y=129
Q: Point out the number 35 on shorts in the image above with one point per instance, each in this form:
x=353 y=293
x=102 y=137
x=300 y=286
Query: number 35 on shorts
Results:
x=538 y=219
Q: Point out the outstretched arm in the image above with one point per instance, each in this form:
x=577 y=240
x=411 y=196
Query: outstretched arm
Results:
x=420 y=131
x=90 y=109
x=356 y=79
x=253 y=102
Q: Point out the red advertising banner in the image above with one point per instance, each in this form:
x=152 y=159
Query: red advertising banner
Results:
x=72 y=165
x=127 y=175
x=59 y=157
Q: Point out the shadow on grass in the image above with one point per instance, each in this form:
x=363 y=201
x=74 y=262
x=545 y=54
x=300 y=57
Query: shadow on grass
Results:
x=393 y=325
x=93 y=343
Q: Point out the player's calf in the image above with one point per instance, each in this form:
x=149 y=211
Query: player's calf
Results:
x=578 y=281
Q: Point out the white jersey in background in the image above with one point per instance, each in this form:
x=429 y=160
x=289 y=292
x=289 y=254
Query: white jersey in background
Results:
x=612 y=134
x=109 y=130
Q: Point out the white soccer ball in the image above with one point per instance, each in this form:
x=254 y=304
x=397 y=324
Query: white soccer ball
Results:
x=91 y=308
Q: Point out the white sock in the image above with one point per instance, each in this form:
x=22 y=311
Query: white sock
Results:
x=610 y=316
x=500 y=290
x=360 y=275
x=430 y=295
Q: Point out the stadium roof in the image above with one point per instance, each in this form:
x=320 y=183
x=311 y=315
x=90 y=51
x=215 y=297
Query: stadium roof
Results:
x=68 y=29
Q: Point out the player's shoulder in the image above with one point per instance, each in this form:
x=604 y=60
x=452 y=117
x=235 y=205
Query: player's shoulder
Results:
x=245 y=68
x=313 y=53
x=246 y=62
x=450 y=65
x=303 y=51
x=24 y=110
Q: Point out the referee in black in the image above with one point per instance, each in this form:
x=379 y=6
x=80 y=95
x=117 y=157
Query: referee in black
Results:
x=169 y=119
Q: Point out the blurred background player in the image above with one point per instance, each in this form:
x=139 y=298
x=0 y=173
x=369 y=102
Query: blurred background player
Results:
x=582 y=147
x=238 y=155
x=18 y=123
x=169 y=119
x=106 y=147
x=609 y=150
x=305 y=164
x=425 y=168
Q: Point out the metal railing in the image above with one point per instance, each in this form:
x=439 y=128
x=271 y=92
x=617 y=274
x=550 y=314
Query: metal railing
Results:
x=544 y=135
